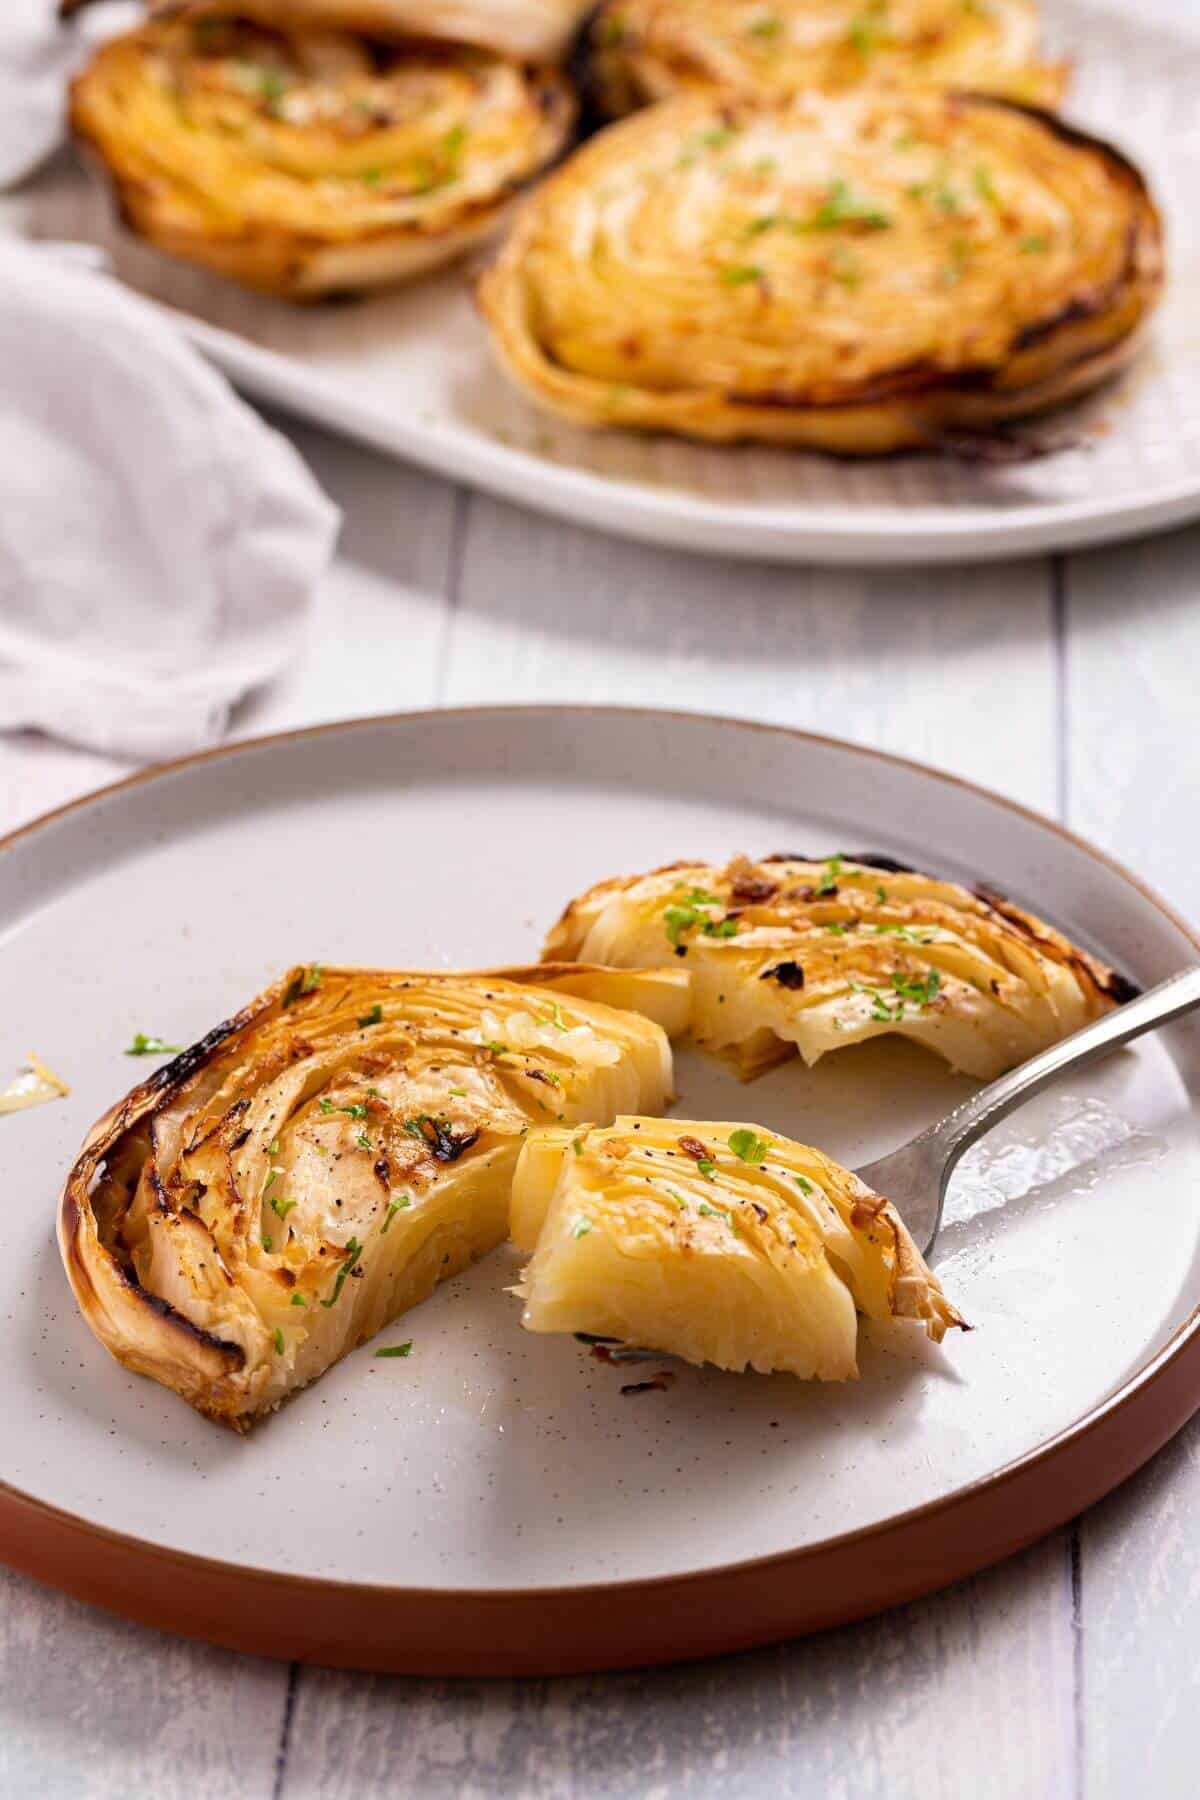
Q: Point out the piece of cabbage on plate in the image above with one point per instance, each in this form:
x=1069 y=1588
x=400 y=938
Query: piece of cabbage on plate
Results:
x=316 y=1165
x=795 y=953
x=715 y=1243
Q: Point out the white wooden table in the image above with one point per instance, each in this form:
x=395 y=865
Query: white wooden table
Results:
x=1072 y=1671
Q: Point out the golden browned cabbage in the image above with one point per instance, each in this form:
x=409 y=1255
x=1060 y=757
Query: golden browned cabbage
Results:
x=857 y=272
x=319 y=1163
x=307 y=162
x=536 y=29
x=794 y=954
x=715 y=1243
x=638 y=51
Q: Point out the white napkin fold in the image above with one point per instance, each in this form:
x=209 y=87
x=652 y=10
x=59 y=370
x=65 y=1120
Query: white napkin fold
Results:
x=159 y=544
x=38 y=57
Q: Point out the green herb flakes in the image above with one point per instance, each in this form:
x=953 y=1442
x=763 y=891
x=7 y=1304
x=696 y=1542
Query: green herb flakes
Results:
x=350 y=1259
x=151 y=1046
x=305 y=981
x=748 y=1147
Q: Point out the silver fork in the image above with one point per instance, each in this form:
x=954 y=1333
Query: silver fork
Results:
x=916 y=1176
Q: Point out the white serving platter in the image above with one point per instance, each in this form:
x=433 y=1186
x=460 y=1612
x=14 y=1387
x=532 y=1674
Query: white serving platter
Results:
x=410 y=374
x=494 y=1502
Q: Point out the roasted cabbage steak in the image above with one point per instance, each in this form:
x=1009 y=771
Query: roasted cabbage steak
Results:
x=635 y=52
x=715 y=1243
x=316 y=1165
x=306 y=162
x=858 y=272
x=799 y=954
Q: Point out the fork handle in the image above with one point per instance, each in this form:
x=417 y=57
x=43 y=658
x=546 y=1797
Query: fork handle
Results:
x=976 y=1115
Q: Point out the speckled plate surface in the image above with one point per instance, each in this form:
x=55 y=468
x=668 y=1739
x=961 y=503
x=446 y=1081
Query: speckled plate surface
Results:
x=410 y=373
x=495 y=1501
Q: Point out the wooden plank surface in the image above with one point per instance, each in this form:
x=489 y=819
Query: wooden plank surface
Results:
x=1133 y=646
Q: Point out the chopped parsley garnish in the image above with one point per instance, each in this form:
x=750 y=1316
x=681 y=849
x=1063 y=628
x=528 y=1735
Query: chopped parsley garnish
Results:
x=706 y=1167
x=766 y=28
x=881 y=893
x=281 y=1208
x=355 y=1111
x=299 y=1300
x=577 y=1146
x=845 y=270
x=151 y=1046
x=273 y=1148
x=692 y=909
x=266 y=1243
x=764 y=222
x=556 y=1018
x=836 y=930
x=581 y=1228
x=396 y=1349
x=363 y=1141
x=373 y=1017
x=739 y=274
x=829 y=879
x=842 y=206
x=459 y=1093
x=269 y=1183
x=351 y=1255
x=372 y=177
x=304 y=981
x=678 y=1198
x=919 y=992
x=271 y=84
x=712 y=1212
x=495 y=1048
x=804 y=1184
x=395 y=1206
x=879 y=1006
x=718 y=138
x=865 y=34
x=278 y=1341
x=748 y=1147
x=1035 y=244
x=985 y=187
x=905 y=932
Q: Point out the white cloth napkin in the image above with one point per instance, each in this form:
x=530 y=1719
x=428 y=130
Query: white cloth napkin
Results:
x=159 y=544
x=38 y=57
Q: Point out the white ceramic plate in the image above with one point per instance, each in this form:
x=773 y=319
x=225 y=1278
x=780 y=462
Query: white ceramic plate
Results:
x=491 y=1464
x=410 y=374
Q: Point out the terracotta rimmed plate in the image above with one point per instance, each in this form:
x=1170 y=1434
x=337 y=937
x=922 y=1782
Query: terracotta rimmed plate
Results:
x=410 y=374
x=493 y=1504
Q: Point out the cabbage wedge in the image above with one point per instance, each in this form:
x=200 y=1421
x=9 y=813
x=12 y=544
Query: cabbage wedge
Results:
x=636 y=52
x=797 y=954
x=539 y=30
x=315 y=1166
x=306 y=162
x=857 y=272
x=713 y=1243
